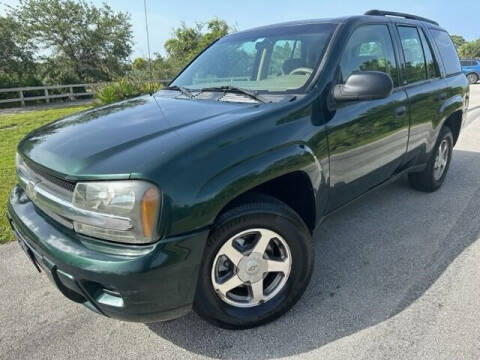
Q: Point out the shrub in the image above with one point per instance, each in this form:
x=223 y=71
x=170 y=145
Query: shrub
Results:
x=124 y=89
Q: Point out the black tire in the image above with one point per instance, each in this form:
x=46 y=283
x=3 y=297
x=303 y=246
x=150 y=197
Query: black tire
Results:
x=425 y=180
x=472 y=78
x=265 y=212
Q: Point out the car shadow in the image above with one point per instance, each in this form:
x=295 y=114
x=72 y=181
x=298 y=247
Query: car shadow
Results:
x=373 y=259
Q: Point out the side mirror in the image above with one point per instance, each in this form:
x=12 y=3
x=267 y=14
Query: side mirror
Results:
x=364 y=85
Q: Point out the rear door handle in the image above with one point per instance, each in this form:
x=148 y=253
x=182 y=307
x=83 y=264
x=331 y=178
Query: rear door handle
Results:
x=400 y=111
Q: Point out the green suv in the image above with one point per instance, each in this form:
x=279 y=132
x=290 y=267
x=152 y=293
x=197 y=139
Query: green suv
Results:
x=206 y=194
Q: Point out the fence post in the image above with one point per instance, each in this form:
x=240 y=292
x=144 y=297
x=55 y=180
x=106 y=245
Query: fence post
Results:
x=22 y=99
x=72 y=98
x=46 y=96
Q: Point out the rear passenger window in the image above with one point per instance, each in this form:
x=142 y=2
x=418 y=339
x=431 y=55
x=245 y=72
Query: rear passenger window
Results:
x=432 y=66
x=369 y=49
x=447 y=51
x=413 y=53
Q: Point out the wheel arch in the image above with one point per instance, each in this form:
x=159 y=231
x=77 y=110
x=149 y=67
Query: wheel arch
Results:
x=302 y=200
x=291 y=174
x=454 y=122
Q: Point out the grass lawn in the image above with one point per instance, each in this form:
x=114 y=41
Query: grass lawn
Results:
x=13 y=127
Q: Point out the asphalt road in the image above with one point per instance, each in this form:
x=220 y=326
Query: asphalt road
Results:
x=397 y=276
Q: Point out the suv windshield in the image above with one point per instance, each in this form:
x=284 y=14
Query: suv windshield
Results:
x=271 y=59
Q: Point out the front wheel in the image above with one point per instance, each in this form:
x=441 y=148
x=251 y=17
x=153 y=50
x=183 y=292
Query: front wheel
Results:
x=436 y=170
x=257 y=263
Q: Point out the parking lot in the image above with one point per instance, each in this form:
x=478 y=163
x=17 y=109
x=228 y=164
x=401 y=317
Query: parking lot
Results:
x=397 y=275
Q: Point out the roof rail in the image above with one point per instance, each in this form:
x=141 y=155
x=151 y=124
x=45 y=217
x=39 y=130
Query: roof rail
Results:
x=399 y=14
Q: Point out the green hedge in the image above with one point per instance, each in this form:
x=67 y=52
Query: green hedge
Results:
x=124 y=89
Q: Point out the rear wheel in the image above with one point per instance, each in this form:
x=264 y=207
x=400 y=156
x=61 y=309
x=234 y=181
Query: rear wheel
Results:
x=472 y=78
x=257 y=263
x=436 y=170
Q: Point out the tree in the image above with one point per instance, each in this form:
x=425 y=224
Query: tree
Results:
x=458 y=40
x=82 y=41
x=470 y=49
x=140 y=63
x=17 y=64
x=187 y=42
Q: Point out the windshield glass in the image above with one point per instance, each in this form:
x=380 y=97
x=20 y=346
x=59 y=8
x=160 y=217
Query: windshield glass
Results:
x=270 y=59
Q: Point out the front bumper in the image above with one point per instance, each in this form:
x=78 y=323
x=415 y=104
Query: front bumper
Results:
x=134 y=283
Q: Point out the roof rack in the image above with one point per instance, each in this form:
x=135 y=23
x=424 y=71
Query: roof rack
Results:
x=399 y=14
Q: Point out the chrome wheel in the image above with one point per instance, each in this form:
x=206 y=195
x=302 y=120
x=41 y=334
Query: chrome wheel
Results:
x=251 y=267
x=441 y=159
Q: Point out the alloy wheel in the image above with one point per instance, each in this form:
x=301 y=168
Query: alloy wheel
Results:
x=251 y=267
x=441 y=159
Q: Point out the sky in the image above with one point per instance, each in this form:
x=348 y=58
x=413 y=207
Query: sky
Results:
x=459 y=17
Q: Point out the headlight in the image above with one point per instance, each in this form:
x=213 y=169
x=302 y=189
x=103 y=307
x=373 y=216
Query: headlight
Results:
x=19 y=164
x=129 y=210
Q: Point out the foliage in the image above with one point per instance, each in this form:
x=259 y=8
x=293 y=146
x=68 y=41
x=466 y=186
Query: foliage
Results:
x=466 y=49
x=185 y=44
x=458 y=40
x=124 y=89
x=14 y=127
x=470 y=50
x=45 y=42
x=85 y=43
x=140 y=64
x=17 y=65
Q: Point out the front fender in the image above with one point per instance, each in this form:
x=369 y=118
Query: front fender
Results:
x=233 y=181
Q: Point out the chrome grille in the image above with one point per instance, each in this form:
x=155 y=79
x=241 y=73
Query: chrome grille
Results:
x=56 y=201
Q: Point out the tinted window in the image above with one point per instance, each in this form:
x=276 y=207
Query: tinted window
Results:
x=369 y=49
x=413 y=53
x=447 y=51
x=464 y=62
x=432 y=66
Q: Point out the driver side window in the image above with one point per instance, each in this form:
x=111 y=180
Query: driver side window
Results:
x=369 y=49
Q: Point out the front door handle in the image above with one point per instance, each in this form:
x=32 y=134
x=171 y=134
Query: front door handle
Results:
x=400 y=111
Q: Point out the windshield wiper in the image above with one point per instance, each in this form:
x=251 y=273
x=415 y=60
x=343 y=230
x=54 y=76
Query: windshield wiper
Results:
x=182 y=89
x=234 y=89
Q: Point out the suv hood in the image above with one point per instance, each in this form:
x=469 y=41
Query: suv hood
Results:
x=118 y=139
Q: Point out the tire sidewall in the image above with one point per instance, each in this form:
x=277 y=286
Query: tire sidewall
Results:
x=209 y=304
